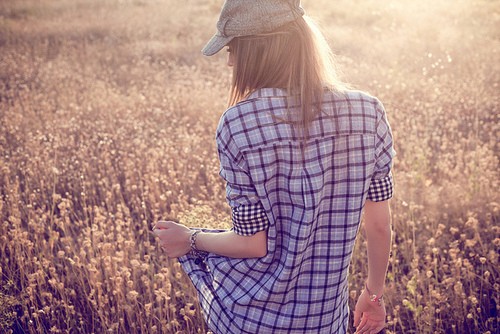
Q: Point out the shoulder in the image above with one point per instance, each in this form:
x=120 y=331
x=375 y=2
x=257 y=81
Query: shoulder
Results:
x=238 y=111
x=236 y=122
x=250 y=113
x=353 y=96
x=354 y=103
x=233 y=118
x=256 y=106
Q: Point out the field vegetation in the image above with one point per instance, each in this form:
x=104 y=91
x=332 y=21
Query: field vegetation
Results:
x=107 y=120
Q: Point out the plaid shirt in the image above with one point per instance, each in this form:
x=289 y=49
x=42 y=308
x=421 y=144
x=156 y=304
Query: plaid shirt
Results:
x=310 y=201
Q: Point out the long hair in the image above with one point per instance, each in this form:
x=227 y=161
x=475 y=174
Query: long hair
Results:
x=295 y=57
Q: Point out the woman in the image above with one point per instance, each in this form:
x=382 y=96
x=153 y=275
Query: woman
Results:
x=302 y=158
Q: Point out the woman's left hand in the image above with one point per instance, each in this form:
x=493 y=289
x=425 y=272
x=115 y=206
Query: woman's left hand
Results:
x=174 y=238
x=369 y=317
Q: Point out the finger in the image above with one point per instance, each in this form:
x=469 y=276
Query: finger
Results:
x=373 y=327
x=357 y=318
x=362 y=327
x=367 y=329
x=160 y=232
x=163 y=225
x=379 y=328
x=362 y=331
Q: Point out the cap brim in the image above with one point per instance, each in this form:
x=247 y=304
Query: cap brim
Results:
x=215 y=44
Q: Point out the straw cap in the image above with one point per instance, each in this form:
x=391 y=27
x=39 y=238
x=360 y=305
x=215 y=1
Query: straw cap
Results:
x=251 y=17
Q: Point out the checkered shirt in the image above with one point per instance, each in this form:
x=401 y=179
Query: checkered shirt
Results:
x=310 y=201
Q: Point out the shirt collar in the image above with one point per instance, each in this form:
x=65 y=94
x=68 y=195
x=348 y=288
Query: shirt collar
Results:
x=267 y=92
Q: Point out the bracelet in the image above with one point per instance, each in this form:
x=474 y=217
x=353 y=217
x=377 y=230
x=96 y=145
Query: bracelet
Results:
x=373 y=297
x=192 y=240
x=199 y=255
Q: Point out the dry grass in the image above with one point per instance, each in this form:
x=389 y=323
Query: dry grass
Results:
x=107 y=118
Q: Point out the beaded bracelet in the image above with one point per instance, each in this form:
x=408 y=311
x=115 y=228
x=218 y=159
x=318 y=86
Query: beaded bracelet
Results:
x=192 y=240
x=199 y=255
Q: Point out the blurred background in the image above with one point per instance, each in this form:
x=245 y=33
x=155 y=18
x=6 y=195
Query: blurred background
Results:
x=108 y=113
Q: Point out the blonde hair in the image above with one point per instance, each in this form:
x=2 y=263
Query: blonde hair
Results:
x=295 y=57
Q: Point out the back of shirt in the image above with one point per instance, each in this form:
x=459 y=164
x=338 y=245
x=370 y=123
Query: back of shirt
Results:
x=309 y=196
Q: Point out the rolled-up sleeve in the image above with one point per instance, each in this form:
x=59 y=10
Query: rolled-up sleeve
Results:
x=382 y=187
x=248 y=214
x=249 y=219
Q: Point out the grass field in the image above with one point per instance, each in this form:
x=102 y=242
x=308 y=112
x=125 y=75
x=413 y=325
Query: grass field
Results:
x=107 y=121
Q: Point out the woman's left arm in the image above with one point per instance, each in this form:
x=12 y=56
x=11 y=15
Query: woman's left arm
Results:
x=175 y=239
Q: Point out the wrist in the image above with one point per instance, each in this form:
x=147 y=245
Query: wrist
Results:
x=193 y=238
x=375 y=296
x=376 y=288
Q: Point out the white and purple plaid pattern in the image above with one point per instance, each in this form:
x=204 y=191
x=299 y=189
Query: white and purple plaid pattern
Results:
x=310 y=200
x=249 y=219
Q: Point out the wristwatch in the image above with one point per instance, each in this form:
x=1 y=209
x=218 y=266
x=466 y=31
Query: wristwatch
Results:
x=373 y=297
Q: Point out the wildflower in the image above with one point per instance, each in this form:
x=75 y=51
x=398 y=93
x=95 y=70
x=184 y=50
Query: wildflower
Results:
x=132 y=295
